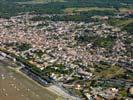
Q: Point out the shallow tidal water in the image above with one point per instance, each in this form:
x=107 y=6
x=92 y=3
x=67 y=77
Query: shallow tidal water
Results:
x=14 y=86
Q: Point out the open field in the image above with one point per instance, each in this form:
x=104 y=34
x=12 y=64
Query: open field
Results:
x=39 y=1
x=123 y=10
x=111 y=72
x=70 y=10
x=86 y=9
x=121 y=22
x=14 y=86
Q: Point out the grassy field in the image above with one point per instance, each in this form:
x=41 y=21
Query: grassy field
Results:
x=111 y=72
x=124 y=24
x=86 y=9
x=48 y=0
x=121 y=22
x=123 y=10
x=40 y=1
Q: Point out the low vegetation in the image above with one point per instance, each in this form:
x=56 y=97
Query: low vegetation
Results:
x=123 y=23
x=10 y=8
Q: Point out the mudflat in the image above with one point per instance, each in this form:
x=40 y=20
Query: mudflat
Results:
x=14 y=86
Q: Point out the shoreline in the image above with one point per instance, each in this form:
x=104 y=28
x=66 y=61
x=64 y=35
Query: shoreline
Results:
x=16 y=86
x=53 y=88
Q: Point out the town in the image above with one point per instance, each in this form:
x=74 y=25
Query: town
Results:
x=89 y=60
